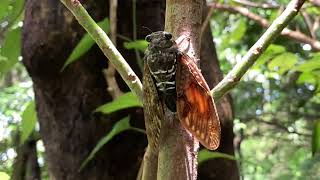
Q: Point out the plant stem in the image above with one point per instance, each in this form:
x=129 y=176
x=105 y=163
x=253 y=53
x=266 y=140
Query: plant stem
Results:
x=106 y=45
x=234 y=76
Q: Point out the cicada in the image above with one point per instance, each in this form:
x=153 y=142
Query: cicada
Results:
x=182 y=88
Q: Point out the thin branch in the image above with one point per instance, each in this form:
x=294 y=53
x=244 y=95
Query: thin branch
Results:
x=275 y=123
x=309 y=24
x=110 y=72
x=296 y=35
x=234 y=76
x=316 y=23
x=257 y=5
x=315 y=2
x=105 y=44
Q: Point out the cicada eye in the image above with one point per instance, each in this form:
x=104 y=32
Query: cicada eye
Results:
x=148 y=38
x=168 y=35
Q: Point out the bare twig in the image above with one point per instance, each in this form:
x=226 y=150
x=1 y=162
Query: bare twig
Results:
x=315 y=2
x=296 y=35
x=109 y=73
x=257 y=5
x=316 y=23
x=106 y=45
x=309 y=24
x=234 y=76
x=274 y=123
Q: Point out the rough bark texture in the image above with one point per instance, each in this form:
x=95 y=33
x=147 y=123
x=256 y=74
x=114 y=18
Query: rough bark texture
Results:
x=65 y=100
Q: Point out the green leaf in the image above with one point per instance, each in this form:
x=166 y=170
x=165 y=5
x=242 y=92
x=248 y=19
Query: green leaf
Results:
x=85 y=45
x=4 y=176
x=270 y=52
x=17 y=10
x=316 y=138
x=309 y=65
x=4 y=7
x=119 y=127
x=283 y=62
x=10 y=50
x=238 y=30
x=29 y=120
x=140 y=45
x=307 y=77
x=124 y=101
x=205 y=155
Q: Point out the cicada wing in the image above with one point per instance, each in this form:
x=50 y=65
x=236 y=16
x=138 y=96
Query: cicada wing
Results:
x=153 y=109
x=195 y=105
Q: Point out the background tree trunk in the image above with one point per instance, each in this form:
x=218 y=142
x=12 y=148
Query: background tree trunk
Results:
x=26 y=165
x=221 y=169
x=65 y=100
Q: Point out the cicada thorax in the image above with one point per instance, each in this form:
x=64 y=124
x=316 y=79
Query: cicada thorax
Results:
x=161 y=58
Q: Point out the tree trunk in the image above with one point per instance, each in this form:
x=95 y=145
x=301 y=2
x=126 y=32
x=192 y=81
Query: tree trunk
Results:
x=65 y=100
x=26 y=165
x=218 y=168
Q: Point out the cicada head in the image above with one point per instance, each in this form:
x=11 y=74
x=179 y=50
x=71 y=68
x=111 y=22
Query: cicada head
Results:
x=160 y=40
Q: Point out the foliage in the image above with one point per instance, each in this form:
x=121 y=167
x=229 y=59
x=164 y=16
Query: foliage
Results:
x=28 y=123
x=118 y=128
x=205 y=155
x=10 y=33
x=316 y=138
x=4 y=176
x=85 y=44
x=275 y=103
x=126 y=100
x=140 y=45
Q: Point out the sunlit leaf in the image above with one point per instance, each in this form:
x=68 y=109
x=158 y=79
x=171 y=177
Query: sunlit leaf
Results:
x=28 y=123
x=307 y=77
x=17 y=10
x=119 y=127
x=238 y=31
x=4 y=176
x=269 y=53
x=316 y=138
x=309 y=65
x=140 y=45
x=10 y=50
x=4 y=6
x=205 y=155
x=283 y=62
x=85 y=44
x=124 y=101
